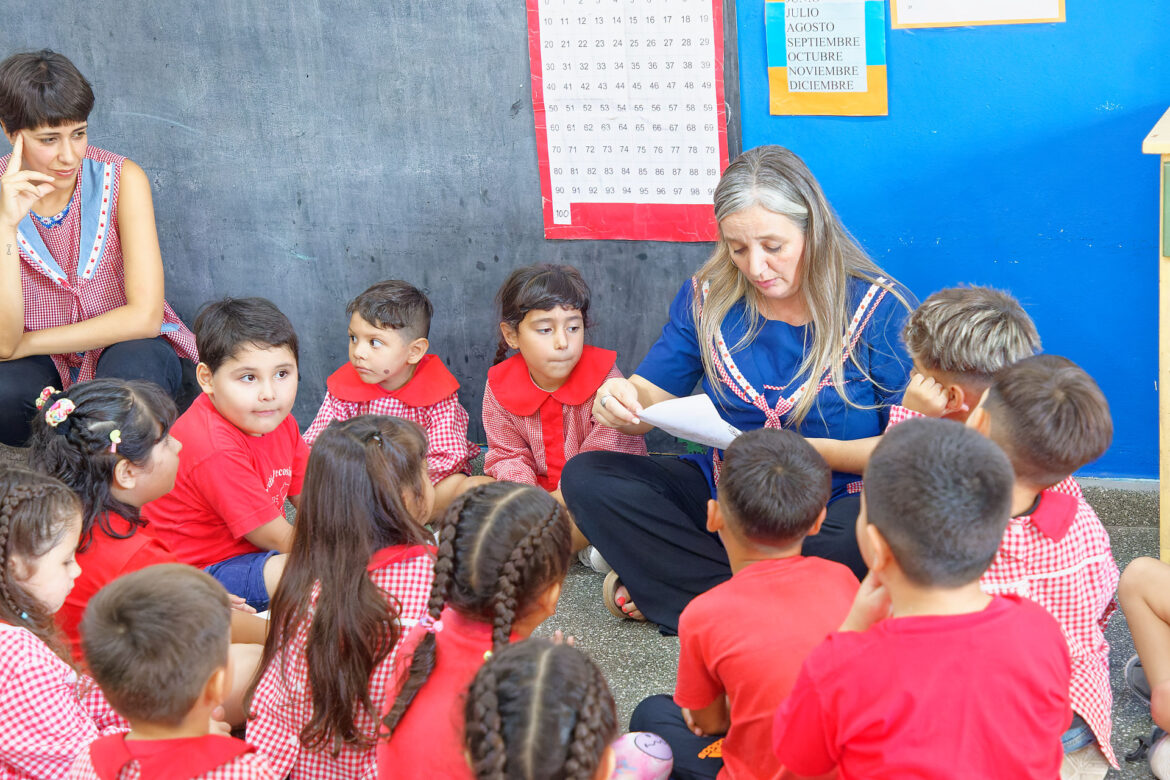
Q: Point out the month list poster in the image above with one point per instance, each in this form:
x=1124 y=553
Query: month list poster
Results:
x=826 y=57
x=631 y=125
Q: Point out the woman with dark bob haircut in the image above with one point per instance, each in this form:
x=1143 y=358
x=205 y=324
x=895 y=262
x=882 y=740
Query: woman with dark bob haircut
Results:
x=81 y=276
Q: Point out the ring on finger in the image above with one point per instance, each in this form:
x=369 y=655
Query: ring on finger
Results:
x=603 y=399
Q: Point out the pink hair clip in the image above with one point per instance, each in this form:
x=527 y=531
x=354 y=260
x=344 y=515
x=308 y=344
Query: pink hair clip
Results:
x=59 y=412
x=430 y=625
x=115 y=440
x=45 y=395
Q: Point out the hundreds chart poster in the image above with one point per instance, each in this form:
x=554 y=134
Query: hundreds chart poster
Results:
x=631 y=125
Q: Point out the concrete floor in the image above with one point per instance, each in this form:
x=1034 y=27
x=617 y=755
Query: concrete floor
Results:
x=638 y=661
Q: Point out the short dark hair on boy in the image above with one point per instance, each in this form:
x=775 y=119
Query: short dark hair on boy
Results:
x=42 y=89
x=773 y=484
x=1049 y=416
x=395 y=304
x=153 y=638
x=970 y=331
x=941 y=496
x=224 y=327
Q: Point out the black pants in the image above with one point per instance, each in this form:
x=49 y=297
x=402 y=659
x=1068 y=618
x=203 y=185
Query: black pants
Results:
x=662 y=716
x=21 y=380
x=648 y=518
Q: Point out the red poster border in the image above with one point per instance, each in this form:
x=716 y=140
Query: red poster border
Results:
x=626 y=221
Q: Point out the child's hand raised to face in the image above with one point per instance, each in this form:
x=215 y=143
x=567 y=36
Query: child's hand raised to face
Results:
x=871 y=605
x=925 y=396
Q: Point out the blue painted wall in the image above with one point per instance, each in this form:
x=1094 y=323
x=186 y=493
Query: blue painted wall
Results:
x=1011 y=157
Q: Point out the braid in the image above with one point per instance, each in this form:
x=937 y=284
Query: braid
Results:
x=490 y=755
x=11 y=501
x=422 y=662
x=501 y=351
x=513 y=571
x=588 y=741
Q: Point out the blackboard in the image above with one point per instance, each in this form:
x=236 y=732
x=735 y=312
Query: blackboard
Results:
x=303 y=150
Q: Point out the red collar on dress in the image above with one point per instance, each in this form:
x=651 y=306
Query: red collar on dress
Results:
x=396 y=553
x=171 y=759
x=431 y=383
x=1054 y=514
x=514 y=389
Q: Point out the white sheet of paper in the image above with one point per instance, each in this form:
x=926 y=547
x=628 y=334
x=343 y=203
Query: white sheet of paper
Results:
x=959 y=12
x=693 y=418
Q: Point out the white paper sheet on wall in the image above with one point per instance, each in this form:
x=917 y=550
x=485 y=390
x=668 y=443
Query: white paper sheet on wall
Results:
x=960 y=13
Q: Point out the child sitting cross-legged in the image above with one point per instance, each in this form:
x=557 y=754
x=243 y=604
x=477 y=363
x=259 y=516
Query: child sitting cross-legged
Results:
x=1050 y=418
x=538 y=403
x=929 y=676
x=157 y=643
x=390 y=372
x=742 y=642
x=242 y=451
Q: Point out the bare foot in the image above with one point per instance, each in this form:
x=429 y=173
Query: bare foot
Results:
x=617 y=598
x=621 y=597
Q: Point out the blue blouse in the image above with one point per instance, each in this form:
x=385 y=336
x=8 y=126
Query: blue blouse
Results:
x=768 y=366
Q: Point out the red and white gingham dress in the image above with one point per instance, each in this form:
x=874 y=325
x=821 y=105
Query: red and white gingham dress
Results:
x=282 y=704
x=523 y=447
x=48 y=713
x=51 y=301
x=1072 y=575
x=428 y=400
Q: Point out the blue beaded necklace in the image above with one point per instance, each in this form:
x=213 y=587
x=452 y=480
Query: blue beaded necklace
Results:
x=52 y=222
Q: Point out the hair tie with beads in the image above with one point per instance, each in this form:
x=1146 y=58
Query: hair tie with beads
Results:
x=430 y=625
x=59 y=413
x=46 y=393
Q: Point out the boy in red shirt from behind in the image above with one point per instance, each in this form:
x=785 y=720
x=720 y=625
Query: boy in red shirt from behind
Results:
x=156 y=641
x=742 y=642
x=929 y=676
x=242 y=451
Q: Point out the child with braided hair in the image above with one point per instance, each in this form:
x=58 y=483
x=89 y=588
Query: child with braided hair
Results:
x=109 y=440
x=359 y=572
x=48 y=713
x=504 y=549
x=542 y=710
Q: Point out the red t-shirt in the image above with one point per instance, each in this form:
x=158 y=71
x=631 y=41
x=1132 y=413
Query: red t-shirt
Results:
x=103 y=561
x=229 y=484
x=212 y=757
x=978 y=695
x=747 y=638
x=428 y=742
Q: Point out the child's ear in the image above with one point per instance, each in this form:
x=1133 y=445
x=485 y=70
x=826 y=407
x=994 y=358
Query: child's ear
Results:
x=511 y=336
x=714 y=516
x=216 y=690
x=203 y=375
x=416 y=350
x=816 y=526
x=956 y=400
x=18 y=568
x=549 y=598
x=879 y=549
x=125 y=474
